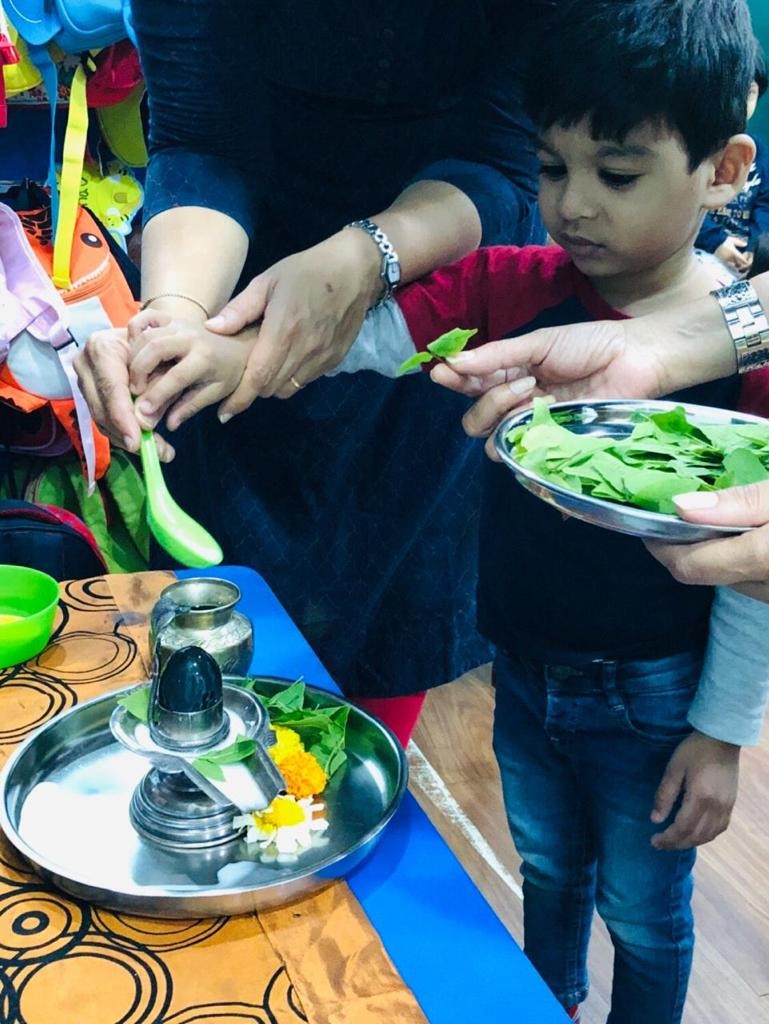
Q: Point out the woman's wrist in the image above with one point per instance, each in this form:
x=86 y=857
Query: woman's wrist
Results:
x=691 y=344
x=178 y=306
x=362 y=255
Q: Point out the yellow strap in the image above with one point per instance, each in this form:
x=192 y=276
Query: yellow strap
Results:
x=69 y=184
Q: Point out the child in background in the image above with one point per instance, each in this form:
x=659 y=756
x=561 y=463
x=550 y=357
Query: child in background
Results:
x=617 y=729
x=732 y=231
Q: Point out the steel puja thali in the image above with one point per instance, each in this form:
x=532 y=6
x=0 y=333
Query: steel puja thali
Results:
x=88 y=807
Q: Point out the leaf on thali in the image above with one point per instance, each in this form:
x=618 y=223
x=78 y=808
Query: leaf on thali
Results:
x=664 y=455
x=209 y=764
x=137 y=702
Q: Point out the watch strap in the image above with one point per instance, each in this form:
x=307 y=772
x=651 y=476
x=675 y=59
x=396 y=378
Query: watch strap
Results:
x=747 y=323
x=390 y=270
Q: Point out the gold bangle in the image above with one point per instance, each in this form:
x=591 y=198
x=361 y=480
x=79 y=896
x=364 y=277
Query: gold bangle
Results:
x=175 y=295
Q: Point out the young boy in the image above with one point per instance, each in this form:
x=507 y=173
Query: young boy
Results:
x=733 y=231
x=640 y=108
x=601 y=670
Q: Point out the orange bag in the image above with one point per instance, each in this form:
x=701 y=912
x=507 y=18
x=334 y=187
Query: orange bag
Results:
x=98 y=297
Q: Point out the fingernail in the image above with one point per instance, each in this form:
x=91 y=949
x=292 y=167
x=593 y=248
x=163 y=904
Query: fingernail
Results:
x=216 y=321
x=460 y=357
x=129 y=442
x=656 y=817
x=696 y=500
x=225 y=417
x=145 y=408
x=522 y=385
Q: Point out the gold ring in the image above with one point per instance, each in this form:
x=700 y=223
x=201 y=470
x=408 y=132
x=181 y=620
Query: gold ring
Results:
x=296 y=383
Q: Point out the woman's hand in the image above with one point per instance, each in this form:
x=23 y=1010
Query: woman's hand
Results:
x=102 y=371
x=741 y=561
x=603 y=359
x=309 y=307
x=177 y=367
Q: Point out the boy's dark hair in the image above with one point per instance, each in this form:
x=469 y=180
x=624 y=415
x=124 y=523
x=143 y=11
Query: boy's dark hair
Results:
x=684 y=64
x=759 y=75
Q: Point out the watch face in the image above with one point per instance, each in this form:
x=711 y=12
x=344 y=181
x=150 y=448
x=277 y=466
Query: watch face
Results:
x=392 y=272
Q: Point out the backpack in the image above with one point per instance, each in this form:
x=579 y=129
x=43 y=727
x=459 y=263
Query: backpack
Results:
x=49 y=539
x=42 y=329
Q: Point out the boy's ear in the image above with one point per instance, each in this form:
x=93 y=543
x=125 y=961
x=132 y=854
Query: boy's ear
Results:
x=730 y=170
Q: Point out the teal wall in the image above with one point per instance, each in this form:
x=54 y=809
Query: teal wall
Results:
x=760 y=11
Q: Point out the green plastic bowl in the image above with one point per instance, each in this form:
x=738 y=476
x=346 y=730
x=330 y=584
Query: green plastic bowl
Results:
x=33 y=596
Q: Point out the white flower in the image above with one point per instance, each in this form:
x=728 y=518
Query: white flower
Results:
x=284 y=842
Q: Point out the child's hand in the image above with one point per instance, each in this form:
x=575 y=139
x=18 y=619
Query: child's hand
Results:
x=730 y=252
x=178 y=367
x=705 y=773
x=102 y=370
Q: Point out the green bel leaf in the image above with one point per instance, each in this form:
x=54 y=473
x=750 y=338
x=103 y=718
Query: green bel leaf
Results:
x=290 y=699
x=209 y=769
x=413 y=362
x=209 y=764
x=451 y=343
x=137 y=703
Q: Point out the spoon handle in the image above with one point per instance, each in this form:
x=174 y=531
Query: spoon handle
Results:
x=148 y=451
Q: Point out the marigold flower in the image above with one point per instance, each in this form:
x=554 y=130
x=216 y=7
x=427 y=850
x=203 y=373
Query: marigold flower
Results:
x=303 y=775
x=287 y=742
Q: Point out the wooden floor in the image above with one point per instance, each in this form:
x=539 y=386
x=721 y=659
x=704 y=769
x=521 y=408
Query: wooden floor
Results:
x=454 y=777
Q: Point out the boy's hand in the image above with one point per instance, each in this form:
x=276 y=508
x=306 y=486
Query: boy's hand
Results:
x=177 y=367
x=705 y=772
x=102 y=370
x=730 y=252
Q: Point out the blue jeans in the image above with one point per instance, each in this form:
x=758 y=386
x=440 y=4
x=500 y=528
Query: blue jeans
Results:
x=581 y=750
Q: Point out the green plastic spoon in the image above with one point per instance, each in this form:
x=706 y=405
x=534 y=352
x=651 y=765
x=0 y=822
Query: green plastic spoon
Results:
x=175 y=531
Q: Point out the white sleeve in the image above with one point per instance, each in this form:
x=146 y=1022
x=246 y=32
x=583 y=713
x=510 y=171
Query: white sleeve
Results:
x=383 y=343
x=734 y=686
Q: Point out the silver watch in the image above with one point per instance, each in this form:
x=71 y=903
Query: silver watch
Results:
x=747 y=323
x=390 y=271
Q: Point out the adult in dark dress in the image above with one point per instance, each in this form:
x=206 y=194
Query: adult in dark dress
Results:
x=273 y=125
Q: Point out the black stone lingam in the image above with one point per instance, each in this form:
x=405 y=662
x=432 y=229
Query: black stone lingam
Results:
x=186 y=703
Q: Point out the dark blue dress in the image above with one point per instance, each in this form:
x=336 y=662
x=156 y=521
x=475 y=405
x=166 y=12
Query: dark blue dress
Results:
x=358 y=498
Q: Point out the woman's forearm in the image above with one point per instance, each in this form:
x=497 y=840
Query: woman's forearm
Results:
x=195 y=252
x=691 y=343
x=430 y=224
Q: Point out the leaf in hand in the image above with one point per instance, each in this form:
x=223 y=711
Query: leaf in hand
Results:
x=413 y=362
x=449 y=344
x=137 y=703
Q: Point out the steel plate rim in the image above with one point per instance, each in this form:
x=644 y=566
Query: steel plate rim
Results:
x=146 y=893
x=667 y=525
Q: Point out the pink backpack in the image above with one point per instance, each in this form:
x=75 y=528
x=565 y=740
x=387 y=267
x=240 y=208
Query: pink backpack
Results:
x=35 y=343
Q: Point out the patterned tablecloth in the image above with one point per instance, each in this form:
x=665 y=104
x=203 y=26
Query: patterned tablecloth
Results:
x=63 y=961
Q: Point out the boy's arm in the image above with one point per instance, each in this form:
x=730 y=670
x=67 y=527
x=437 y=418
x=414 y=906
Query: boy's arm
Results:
x=452 y=296
x=727 y=713
x=383 y=343
x=494 y=291
x=734 y=687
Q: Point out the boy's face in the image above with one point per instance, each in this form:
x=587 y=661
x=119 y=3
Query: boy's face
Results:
x=620 y=209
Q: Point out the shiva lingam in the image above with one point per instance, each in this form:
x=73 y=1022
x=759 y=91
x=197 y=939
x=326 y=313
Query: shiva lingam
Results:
x=192 y=716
